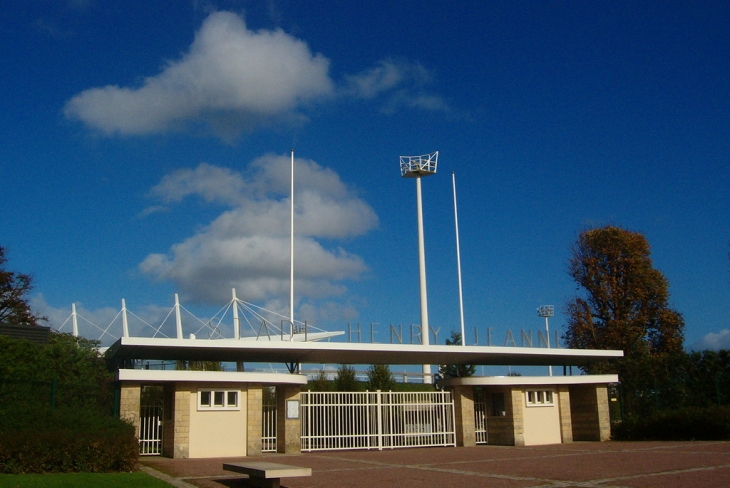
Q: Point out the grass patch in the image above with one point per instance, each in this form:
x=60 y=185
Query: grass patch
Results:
x=81 y=480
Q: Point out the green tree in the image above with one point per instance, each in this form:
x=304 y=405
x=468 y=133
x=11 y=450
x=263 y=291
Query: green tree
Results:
x=380 y=378
x=14 y=288
x=456 y=370
x=346 y=379
x=320 y=382
x=625 y=304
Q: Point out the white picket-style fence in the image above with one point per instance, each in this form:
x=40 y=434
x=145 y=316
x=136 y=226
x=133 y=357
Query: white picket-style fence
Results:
x=480 y=416
x=268 y=435
x=150 y=430
x=376 y=420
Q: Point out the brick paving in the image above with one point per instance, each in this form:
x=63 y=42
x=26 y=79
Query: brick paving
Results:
x=609 y=464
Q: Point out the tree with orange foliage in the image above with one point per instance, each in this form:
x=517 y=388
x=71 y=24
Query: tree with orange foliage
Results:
x=626 y=301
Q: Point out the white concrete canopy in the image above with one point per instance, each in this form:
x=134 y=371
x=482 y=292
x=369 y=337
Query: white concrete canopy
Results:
x=231 y=350
x=530 y=380
x=171 y=375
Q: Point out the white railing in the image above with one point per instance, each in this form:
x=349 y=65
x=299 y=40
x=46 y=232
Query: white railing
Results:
x=150 y=430
x=376 y=420
x=268 y=435
x=480 y=416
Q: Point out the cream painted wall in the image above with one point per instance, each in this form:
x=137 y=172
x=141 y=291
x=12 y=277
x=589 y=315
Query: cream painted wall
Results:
x=542 y=423
x=217 y=433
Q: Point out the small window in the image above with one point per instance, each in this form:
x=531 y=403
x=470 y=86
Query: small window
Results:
x=218 y=400
x=539 y=398
x=232 y=400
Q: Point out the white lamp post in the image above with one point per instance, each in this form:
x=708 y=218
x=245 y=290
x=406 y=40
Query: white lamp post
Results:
x=418 y=167
x=547 y=311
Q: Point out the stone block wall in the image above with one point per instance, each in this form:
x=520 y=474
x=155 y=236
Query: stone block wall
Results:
x=255 y=419
x=464 y=412
x=288 y=431
x=589 y=412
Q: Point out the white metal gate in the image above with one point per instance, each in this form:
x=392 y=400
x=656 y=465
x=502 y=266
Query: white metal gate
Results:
x=268 y=436
x=150 y=430
x=376 y=420
x=480 y=416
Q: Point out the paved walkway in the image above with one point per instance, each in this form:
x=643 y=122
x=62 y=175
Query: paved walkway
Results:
x=609 y=464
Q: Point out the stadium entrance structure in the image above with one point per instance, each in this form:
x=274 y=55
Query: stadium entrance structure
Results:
x=216 y=414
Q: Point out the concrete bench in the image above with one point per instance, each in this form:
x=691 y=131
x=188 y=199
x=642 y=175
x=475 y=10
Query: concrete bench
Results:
x=267 y=475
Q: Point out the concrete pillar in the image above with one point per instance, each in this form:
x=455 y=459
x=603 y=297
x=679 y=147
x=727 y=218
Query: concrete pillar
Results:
x=181 y=421
x=464 y=412
x=566 y=422
x=254 y=419
x=129 y=404
x=288 y=430
x=604 y=414
x=517 y=409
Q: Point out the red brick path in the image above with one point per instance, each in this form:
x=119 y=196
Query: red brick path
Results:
x=608 y=464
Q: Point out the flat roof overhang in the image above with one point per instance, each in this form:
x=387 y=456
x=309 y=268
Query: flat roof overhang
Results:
x=530 y=380
x=165 y=376
x=232 y=350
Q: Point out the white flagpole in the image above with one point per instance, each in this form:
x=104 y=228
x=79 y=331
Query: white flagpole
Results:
x=458 y=261
x=291 y=251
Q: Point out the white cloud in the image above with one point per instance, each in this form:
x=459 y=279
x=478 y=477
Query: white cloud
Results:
x=247 y=246
x=713 y=341
x=231 y=77
x=399 y=83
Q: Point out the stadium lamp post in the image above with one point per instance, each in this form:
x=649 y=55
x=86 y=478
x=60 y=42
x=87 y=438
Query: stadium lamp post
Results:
x=547 y=311
x=418 y=167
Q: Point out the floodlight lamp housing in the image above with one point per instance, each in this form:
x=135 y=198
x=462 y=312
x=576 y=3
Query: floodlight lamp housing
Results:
x=546 y=311
x=418 y=166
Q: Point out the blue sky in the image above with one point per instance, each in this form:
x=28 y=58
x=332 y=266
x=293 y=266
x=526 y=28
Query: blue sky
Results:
x=144 y=152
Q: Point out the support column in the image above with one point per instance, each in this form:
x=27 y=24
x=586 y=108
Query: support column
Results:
x=464 y=412
x=129 y=404
x=566 y=421
x=288 y=430
x=255 y=419
x=517 y=408
x=181 y=420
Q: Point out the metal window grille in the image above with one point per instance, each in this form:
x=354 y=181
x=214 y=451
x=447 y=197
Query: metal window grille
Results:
x=268 y=435
x=376 y=420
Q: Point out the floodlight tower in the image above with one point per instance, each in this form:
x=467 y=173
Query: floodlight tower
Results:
x=418 y=167
x=547 y=311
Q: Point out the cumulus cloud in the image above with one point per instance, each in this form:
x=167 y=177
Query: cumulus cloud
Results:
x=713 y=341
x=247 y=246
x=400 y=84
x=231 y=77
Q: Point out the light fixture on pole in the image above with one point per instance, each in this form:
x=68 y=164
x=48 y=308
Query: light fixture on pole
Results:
x=547 y=311
x=418 y=167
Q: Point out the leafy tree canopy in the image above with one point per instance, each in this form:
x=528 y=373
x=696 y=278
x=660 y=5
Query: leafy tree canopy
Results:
x=625 y=301
x=346 y=379
x=14 y=288
x=380 y=378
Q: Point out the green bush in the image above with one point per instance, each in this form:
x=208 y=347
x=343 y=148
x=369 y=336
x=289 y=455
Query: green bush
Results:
x=691 y=423
x=64 y=439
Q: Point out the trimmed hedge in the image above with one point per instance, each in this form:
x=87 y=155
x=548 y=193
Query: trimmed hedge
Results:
x=686 y=424
x=53 y=440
